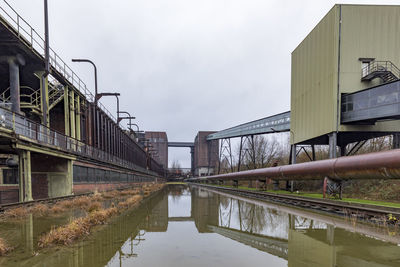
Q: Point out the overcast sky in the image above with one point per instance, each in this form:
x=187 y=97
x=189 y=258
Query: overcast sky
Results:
x=182 y=65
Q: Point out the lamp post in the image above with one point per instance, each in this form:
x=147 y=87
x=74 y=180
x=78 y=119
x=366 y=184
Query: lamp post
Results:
x=112 y=94
x=125 y=118
x=96 y=97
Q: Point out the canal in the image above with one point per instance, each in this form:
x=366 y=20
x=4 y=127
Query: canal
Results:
x=193 y=226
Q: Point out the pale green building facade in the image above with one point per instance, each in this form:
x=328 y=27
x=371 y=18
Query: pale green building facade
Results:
x=328 y=63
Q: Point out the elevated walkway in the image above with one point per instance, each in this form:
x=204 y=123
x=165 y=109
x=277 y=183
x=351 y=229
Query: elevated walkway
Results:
x=271 y=124
x=371 y=105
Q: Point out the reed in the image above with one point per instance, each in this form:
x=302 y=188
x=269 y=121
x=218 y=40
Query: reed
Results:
x=4 y=248
x=78 y=228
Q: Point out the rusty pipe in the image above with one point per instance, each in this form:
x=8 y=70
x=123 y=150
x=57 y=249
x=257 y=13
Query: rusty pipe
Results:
x=378 y=165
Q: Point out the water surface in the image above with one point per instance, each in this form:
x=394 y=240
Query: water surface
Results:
x=192 y=226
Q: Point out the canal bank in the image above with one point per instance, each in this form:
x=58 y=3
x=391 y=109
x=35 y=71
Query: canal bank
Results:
x=194 y=226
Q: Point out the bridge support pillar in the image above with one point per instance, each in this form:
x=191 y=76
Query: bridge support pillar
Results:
x=44 y=99
x=66 y=111
x=235 y=183
x=14 y=86
x=293 y=158
x=333 y=187
x=262 y=184
x=25 y=176
x=275 y=185
x=396 y=141
x=72 y=113
x=78 y=118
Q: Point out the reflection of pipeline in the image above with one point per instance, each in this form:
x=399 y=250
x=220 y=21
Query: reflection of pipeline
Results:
x=379 y=165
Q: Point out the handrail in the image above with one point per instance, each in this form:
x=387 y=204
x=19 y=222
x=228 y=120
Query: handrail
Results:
x=379 y=65
x=27 y=34
x=43 y=135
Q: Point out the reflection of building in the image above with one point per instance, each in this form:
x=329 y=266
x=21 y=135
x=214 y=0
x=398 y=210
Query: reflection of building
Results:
x=299 y=238
x=338 y=247
x=204 y=209
x=157 y=220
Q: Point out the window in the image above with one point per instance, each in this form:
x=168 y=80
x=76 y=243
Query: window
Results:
x=10 y=176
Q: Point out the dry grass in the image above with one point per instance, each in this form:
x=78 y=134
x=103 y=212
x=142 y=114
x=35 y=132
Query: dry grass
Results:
x=109 y=194
x=39 y=209
x=130 y=202
x=78 y=228
x=93 y=206
x=56 y=209
x=81 y=202
x=88 y=203
x=18 y=212
x=4 y=248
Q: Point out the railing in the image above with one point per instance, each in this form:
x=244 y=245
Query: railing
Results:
x=32 y=98
x=32 y=39
x=380 y=66
x=38 y=133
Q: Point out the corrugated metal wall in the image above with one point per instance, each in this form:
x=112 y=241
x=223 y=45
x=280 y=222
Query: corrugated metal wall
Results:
x=366 y=32
x=314 y=79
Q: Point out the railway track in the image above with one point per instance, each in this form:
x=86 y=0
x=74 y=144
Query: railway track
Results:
x=372 y=213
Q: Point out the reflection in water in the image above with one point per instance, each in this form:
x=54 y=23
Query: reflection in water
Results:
x=184 y=226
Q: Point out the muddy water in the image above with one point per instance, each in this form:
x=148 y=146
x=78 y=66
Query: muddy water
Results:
x=190 y=226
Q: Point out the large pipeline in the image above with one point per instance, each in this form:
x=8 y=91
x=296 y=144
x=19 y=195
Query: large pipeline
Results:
x=378 y=165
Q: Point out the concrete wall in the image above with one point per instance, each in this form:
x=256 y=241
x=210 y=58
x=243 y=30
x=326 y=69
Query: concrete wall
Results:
x=365 y=32
x=51 y=176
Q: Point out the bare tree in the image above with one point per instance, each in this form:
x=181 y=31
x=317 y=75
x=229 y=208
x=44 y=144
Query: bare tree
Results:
x=176 y=166
x=260 y=152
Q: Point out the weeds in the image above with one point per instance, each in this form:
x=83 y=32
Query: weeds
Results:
x=4 y=248
x=78 y=228
x=130 y=202
x=39 y=209
x=16 y=212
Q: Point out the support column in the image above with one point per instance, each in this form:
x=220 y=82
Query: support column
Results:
x=333 y=187
x=27 y=175
x=66 y=110
x=333 y=145
x=396 y=141
x=78 y=118
x=14 y=86
x=262 y=184
x=44 y=99
x=235 y=183
x=21 y=177
x=72 y=113
x=293 y=158
x=70 y=177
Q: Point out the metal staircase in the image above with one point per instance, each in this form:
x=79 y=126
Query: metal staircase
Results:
x=385 y=70
x=30 y=98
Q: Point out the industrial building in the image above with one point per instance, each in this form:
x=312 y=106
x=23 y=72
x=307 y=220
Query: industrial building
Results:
x=354 y=47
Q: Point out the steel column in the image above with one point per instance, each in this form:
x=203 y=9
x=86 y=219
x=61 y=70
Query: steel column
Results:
x=66 y=111
x=14 y=86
